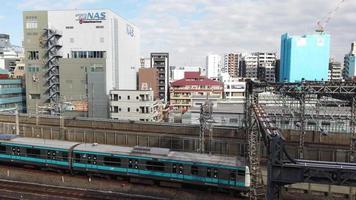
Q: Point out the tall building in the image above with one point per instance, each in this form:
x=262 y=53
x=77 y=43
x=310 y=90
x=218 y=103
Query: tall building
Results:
x=213 y=66
x=231 y=64
x=249 y=66
x=349 y=70
x=335 y=70
x=160 y=61
x=148 y=80
x=70 y=42
x=304 y=57
x=194 y=87
x=266 y=66
x=137 y=105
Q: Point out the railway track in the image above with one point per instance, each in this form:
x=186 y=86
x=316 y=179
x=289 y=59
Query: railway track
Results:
x=21 y=190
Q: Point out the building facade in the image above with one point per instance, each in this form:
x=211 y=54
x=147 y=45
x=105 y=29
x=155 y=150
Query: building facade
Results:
x=9 y=55
x=349 y=70
x=62 y=36
x=335 y=70
x=213 y=66
x=148 y=80
x=145 y=62
x=137 y=105
x=193 y=86
x=249 y=66
x=234 y=89
x=304 y=57
x=232 y=64
x=160 y=61
x=12 y=93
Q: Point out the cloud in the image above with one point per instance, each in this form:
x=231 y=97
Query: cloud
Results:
x=52 y=4
x=189 y=30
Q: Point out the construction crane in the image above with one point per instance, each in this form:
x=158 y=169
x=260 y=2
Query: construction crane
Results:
x=321 y=24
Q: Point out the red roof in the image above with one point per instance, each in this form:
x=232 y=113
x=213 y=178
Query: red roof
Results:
x=191 y=74
x=194 y=78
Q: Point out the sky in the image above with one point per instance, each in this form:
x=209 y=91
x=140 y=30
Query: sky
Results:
x=192 y=29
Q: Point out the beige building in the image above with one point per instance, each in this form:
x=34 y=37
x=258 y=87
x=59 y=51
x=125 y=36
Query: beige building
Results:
x=137 y=105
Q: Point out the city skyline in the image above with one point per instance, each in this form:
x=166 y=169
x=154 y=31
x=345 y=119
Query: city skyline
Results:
x=190 y=31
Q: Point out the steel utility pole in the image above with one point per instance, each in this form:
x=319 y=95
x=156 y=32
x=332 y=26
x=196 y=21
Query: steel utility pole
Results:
x=204 y=119
x=17 y=121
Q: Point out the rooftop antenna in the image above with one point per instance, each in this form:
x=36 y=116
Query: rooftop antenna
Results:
x=321 y=24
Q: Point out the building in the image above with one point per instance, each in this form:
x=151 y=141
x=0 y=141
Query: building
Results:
x=160 y=61
x=266 y=66
x=137 y=105
x=213 y=66
x=335 y=70
x=193 y=86
x=61 y=42
x=10 y=55
x=145 y=62
x=249 y=66
x=349 y=70
x=178 y=72
x=148 y=80
x=225 y=113
x=304 y=57
x=12 y=93
x=234 y=89
x=232 y=64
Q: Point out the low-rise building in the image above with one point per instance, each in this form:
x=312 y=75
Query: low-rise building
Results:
x=193 y=87
x=137 y=105
x=234 y=89
x=12 y=93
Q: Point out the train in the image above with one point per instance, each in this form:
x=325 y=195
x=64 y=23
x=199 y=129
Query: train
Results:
x=146 y=163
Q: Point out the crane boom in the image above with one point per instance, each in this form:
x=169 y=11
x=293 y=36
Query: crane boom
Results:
x=321 y=24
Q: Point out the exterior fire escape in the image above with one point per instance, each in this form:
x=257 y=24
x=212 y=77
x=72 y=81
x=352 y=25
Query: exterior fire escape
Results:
x=52 y=46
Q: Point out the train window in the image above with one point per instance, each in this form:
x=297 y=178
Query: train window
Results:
x=155 y=165
x=232 y=175
x=77 y=158
x=112 y=161
x=136 y=164
x=64 y=156
x=36 y=153
x=208 y=172
x=2 y=149
x=240 y=173
x=194 y=170
x=130 y=163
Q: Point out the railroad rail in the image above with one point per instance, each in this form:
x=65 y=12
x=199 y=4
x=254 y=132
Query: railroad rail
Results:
x=42 y=191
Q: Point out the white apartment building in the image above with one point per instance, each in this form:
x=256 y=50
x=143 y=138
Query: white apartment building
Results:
x=178 y=72
x=9 y=54
x=234 y=89
x=213 y=66
x=137 y=105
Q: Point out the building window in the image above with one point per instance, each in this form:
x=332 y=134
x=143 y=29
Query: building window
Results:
x=120 y=97
x=69 y=27
x=99 y=26
x=116 y=97
x=116 y=109
x=35 y=96
x=128 y=109
x=137 y=110
x=128 y=97
x=33 y=55
x=31 y=24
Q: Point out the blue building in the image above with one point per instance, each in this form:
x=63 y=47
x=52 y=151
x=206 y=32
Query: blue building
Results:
x=12 y=93
x=304 y=57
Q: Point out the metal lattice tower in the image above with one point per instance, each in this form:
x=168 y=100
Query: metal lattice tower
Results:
x=205 y=117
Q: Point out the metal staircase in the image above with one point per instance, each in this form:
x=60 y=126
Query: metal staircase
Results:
x=52 y=46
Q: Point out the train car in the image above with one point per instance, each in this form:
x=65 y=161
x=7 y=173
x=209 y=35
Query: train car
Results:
x=163 y=165
x=37 y=152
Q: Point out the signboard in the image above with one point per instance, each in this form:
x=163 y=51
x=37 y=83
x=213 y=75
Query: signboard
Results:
x=90 y=17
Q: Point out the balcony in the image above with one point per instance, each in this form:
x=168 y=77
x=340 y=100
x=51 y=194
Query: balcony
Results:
x=12 y=100
x=11 y=90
